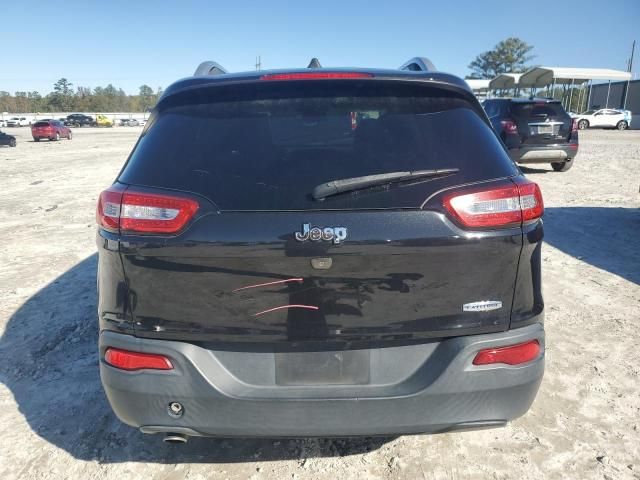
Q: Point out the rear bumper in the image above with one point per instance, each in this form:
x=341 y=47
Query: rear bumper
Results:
x=544 y=153
x=423 y=388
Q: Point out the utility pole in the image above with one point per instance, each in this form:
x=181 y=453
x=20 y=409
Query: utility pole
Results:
x=258 y=63
x=629 y=67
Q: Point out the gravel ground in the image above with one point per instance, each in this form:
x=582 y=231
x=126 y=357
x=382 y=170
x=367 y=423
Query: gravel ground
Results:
x=55 y=421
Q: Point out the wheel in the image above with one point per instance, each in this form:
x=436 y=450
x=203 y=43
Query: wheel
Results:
x=57 y=137
x=583 y=124
x=562 y=166
x=622 y=125
x=36 y=139
x=12 y=142
x=70 y=135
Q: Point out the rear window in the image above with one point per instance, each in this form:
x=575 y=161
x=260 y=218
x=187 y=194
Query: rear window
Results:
x=532 y=110
x=41 y=124
x=262 y=153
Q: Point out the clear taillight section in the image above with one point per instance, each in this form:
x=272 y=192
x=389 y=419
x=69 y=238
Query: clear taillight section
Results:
x=506 y=205
x=531 y=201
x=121 y=209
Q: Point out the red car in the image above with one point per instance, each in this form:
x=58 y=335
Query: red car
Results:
x=51 y=129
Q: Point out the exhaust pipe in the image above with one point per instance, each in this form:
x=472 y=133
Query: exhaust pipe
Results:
x=175 y=438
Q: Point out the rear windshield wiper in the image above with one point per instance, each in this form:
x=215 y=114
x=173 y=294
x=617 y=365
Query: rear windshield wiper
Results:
x=335 y=187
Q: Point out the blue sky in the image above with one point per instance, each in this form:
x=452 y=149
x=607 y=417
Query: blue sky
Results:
x=128 y=43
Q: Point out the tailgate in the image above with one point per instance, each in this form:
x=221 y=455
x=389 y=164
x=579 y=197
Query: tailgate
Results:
x=245 y=277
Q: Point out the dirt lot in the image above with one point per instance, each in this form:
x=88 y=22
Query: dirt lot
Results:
x=55 y=421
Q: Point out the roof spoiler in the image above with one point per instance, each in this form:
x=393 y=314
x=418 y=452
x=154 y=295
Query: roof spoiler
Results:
x=416 y=64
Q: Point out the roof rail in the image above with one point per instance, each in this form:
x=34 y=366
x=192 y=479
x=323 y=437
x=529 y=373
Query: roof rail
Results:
x=418 y=64
x=209 y=68
x=314 y=63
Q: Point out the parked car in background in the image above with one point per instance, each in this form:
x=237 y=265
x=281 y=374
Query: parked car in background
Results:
x=79 y=120
x=103 y=121
x=6 y=139
x=604 y=118
x=329 y=277
x=129 y=122
x=3 y=123
x=19 y=122
x=535 y=130
x=51 y=129
x=143 y=122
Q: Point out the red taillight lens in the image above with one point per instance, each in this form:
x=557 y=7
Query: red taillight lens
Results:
x=151 y=213
x=315 y=76
x=139 y=212
x=108 y=210
x=574 y=126
x=501 y=206
x=511 y=355
x=509 y=126
x=126 y=360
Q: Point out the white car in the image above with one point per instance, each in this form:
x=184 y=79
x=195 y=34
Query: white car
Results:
x=19 y=122
x=142 y=122
x=605 y=117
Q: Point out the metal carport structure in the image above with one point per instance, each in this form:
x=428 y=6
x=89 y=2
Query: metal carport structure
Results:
x=480 y=87
x=506 y=81
x=538 y=77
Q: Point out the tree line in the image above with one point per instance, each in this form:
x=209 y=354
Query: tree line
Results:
x=508 y=56
x=64 y=98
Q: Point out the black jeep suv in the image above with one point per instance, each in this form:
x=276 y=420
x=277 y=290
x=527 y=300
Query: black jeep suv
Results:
x=535 y=130
x=319 y=252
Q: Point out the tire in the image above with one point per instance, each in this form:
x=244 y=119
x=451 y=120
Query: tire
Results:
x=57 y=137
x=562 y=166
x=70 y=135
x=12 y=142
x=622 y=125
x=583 y=124
x=36 y=139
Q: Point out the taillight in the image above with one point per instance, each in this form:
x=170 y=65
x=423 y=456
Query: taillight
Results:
x=354 y=120
x=108 y=210
x=574 y=126
x=509 y=126
x=531 y=202
x=510 y=355
x=138 y=212
x=502 y=206
x=315 y=76
x=126 y=360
